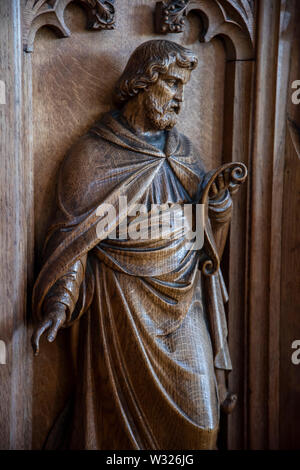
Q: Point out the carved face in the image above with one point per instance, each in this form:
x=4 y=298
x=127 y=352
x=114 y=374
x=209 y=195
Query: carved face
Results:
x=162 y=100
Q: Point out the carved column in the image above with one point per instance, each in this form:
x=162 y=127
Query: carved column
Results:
x=267 y=321
x=16 y=231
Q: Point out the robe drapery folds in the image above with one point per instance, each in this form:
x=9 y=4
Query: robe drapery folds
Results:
x=152 y=329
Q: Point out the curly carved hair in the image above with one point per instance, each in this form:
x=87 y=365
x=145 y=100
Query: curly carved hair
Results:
x=146 y=63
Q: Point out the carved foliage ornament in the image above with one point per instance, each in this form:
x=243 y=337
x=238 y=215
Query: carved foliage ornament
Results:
x=169 y=16
x=232 y=19
x=38 y=13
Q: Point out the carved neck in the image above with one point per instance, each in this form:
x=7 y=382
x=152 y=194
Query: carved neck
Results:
x=135 y=116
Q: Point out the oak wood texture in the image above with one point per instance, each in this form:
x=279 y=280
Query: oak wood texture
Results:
x=207 y=133
x=39 y=13
x=263 y=397
x=169 y=16
x=267 y=383
x=269 y=316
x=16 y=233
x=288 y=410
x=232 y=19
x=89 y=102
x=146 y=315
x=237 y=129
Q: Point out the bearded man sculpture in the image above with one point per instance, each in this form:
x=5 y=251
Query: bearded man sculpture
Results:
x=152 y=342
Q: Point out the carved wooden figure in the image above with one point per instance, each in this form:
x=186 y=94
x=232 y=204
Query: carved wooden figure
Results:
x=152 y=349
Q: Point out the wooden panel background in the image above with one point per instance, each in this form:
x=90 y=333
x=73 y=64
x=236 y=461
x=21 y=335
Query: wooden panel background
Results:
x=15 y=232
x=289 y=402
x=273 y=381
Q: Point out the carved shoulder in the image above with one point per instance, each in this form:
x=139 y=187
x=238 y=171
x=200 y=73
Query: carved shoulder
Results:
x=81 y=175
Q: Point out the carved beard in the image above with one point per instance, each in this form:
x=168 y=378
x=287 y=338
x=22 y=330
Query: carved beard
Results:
x=161 y=116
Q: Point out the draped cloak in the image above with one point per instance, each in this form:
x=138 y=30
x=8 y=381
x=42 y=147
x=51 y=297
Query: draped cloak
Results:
x=151 y=328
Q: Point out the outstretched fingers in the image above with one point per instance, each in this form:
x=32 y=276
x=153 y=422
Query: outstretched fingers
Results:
x=56 y=324
x=227 y=177
x=35 y=339
x=213 y=190
x=221 y=182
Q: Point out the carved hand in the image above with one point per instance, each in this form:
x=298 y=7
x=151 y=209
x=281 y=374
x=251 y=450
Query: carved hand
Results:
x=219 y=186
x=229 y=176
x=53 y=320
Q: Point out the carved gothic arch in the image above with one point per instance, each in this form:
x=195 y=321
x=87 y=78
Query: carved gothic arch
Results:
x=39 y=13
x=232 y=20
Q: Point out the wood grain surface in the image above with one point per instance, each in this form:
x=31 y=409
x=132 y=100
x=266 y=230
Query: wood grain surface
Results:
x=15 y=233
x=73 y=81
x=70 y=81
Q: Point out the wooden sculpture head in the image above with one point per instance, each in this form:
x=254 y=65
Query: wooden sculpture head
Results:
x=150 y=90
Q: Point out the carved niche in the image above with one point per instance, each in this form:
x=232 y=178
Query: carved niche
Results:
x=38 y=13
x=234 y=24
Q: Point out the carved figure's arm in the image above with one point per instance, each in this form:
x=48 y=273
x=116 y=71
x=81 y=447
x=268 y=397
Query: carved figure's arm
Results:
x=220 y=212
x=65 y=291
x=218 y=187
x=59 y=303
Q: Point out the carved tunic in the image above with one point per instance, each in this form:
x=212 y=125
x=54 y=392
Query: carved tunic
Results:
x=151 y=329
